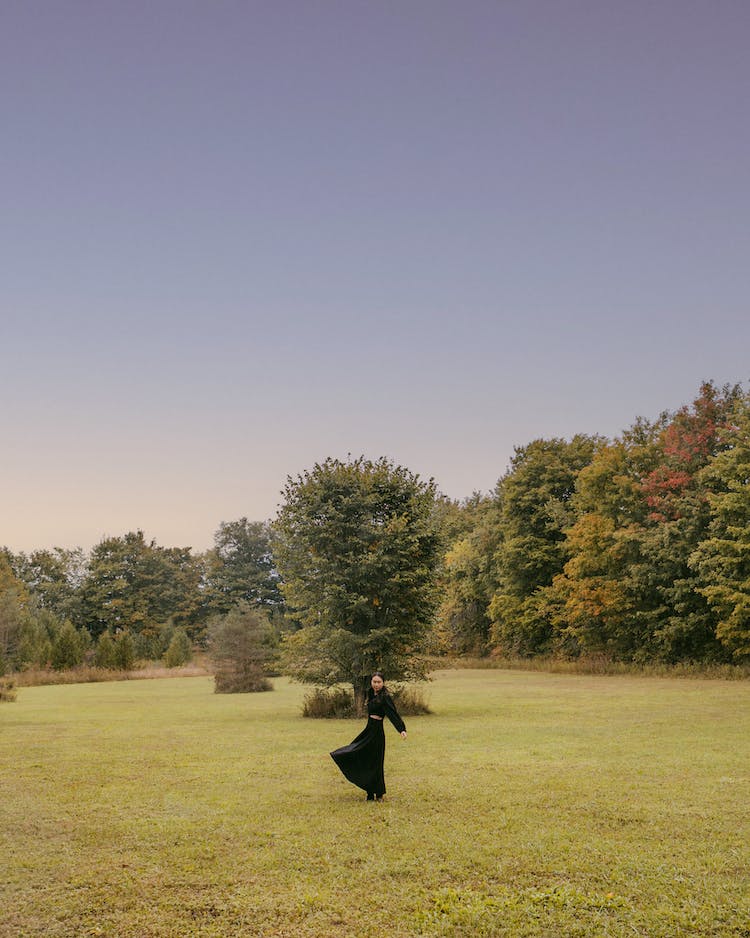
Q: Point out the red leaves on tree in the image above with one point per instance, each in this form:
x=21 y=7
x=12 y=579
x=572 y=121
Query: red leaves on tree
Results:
x=687 y=444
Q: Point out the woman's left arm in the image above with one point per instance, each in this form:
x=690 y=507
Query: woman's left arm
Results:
x=394 y=716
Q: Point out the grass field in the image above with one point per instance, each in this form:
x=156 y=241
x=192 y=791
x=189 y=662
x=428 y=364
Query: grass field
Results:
x=527 y=804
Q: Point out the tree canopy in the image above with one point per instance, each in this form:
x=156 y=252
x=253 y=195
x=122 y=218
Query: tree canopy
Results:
x=137 y=585
x=357 y=550
x=241 y=568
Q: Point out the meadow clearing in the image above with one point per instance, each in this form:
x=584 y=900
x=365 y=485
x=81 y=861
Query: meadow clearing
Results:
x=526 y=804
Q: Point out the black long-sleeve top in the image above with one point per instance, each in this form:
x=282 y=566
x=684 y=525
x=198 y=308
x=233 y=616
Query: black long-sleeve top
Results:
x=382 y=705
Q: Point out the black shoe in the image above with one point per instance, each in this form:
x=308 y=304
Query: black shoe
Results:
x=370 y=796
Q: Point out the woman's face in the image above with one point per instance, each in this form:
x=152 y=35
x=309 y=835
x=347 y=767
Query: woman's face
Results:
x=377 y=683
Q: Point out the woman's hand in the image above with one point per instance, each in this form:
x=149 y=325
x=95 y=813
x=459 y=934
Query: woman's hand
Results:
x=403 y=734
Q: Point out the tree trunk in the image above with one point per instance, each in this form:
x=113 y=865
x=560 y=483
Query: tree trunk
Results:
x=360 y=686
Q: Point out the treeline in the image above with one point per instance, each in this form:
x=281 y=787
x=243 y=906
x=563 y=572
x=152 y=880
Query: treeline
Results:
x=637 y=549
x=129 y=599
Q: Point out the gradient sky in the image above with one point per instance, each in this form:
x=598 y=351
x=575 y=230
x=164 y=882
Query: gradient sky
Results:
x=239 y=237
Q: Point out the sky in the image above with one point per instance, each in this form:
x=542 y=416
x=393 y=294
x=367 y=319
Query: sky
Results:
x=237 y=238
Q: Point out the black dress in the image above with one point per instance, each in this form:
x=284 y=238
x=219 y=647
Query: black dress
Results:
x=362 y=760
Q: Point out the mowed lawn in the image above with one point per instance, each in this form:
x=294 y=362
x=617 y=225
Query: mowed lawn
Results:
x=527 y=804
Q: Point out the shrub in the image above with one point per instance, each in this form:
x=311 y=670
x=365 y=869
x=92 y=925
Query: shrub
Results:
x=338 y=702
x=7 y=690
x=329 y=703
x=244 y=679
x=242 y=643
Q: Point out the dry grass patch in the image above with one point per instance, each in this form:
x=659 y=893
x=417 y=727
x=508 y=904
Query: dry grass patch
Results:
x=85 y=674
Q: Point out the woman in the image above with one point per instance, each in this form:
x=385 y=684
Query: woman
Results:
x=362 y=760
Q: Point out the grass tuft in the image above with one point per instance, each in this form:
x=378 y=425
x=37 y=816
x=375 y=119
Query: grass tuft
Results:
x=7 y=690
x=325 y=703
x=410 y=699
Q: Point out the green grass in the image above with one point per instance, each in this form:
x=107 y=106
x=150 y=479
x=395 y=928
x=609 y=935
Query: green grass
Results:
x=527 y=804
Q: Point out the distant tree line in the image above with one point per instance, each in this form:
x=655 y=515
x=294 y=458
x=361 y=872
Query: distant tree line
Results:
x=129 y=598
x=637 y=549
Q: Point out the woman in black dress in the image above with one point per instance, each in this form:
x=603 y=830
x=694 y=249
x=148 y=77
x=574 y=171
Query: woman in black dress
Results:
x=362 y=760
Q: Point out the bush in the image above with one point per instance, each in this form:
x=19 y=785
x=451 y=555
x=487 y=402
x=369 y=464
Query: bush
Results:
x=242 y=643
x=329 y=703
x=338 y=702
x=245 y=679
x=7 y=690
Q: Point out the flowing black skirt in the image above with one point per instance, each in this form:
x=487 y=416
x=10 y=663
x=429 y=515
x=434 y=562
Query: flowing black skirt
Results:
x=362 y=760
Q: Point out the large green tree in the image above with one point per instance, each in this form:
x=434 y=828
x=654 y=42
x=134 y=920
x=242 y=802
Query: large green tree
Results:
x=535 y=509
x=240 y=568
x=595 y=603
x=681 y=623
x=54 y=578
x=722 y=559
x=467 y=577
x=357 y=550
x=135 y=585
x=14 y=599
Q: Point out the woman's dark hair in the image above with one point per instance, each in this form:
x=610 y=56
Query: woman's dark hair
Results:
x=370 y=691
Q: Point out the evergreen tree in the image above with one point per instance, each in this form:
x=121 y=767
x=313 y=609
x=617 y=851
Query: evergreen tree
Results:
x=242 y=643
x=39 y=629
x=68 y=648
x=105 y=654
x=124 y=657
x=179 y=651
